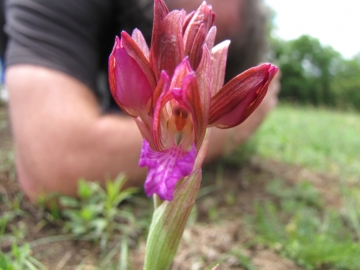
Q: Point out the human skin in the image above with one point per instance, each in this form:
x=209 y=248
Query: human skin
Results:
x=228 y=21
x=60 y=134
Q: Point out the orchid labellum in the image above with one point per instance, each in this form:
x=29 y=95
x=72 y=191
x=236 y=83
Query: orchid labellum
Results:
x=175 y=90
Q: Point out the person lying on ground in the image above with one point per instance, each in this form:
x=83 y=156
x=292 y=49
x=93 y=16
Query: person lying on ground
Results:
x=64 y=126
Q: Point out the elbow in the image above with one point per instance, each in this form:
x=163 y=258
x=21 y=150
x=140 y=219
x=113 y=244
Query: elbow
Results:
x=27 y=179
x=41 y=174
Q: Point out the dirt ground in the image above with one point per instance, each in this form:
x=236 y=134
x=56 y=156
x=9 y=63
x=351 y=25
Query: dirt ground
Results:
x=205 y=241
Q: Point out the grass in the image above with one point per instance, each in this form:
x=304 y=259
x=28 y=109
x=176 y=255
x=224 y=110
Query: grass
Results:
x=319 y=139
x=20 y=255
x=95 y=215
x=297 y=224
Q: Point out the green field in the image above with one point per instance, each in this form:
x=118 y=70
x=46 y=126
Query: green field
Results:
x=300 y=225
x=319 y=139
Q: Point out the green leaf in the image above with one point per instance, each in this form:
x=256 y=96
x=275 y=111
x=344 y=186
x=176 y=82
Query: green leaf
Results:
x=84 y=189
x=68 y=202
x=168 y=224
x=5 y=262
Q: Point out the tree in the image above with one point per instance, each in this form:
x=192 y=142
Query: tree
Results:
x=311 y=70
x=346 y=84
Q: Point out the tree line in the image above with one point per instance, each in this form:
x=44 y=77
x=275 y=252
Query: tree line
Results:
x=316 y=74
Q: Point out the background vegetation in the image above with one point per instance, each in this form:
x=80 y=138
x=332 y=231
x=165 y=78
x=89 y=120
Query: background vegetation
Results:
x=316 y=74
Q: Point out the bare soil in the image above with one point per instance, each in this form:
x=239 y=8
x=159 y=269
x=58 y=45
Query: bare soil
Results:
x=207 y=240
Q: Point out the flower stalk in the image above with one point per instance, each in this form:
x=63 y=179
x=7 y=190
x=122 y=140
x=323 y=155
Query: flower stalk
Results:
x=175 y=91
x=157 y=201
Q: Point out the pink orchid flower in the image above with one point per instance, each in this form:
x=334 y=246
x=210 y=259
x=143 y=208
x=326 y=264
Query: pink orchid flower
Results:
x=174 y=90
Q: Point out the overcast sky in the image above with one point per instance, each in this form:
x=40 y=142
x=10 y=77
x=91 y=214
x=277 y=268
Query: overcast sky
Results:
x=333 y=22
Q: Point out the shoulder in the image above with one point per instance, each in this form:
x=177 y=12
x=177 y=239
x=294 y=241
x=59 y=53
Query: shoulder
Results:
x=63 y=35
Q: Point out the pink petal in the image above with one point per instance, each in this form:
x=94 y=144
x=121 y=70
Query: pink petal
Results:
x=190 y=98
x=241 y=96
x=196 y=50
x=167 y=48
x=218 y=64
x=160 y=11
x=187 y=20
x=210 y=37
x=204 y=76
x=159 y=130
x=180 y=72
x=161 y=88
x=135 y=52
x=139 y=39
x=203 y=15
x=128 y=84
x=197 y=92
x=191 y=90
x=165 y=169
x=145 y=128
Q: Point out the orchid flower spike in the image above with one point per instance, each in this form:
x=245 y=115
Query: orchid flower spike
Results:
x=175 y=90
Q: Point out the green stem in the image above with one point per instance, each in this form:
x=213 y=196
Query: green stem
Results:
x=157 y=201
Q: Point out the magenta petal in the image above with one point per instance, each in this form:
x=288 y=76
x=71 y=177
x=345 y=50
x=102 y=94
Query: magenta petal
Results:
x=165 y=169
x=167 y=46
x=139 y=39
x=218 y=64
x=128 y=84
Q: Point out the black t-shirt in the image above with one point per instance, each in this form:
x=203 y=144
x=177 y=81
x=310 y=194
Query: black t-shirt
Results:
x=72 y=36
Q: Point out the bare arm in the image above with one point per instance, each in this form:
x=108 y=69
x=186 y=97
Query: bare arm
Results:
x=60 y=134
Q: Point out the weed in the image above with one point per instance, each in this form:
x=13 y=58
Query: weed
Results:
x=352 y=209
x=12 y=210
x=19 y=258
x=243 y=260
x=302 y=193
x=7 y=164
x=19 y=255
x=95 y=216
x=213 y=212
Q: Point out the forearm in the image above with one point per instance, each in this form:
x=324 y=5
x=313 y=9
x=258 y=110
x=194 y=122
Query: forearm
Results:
x=98 y=152
x=118 y=140
x=61 y=136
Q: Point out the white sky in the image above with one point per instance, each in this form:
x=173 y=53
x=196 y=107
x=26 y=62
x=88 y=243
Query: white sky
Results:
x=333 y=22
